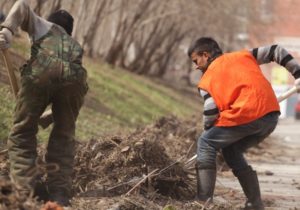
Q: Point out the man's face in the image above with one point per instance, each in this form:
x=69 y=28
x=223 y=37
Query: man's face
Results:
x=200 y=60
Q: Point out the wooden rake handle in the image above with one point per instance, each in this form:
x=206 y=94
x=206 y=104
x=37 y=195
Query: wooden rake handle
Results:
x=287 y=94
x=11 y=74
x=280 y=98
x=46 y=119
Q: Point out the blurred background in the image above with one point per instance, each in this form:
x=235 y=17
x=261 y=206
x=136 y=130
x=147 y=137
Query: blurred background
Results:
x=142 y=84
x=151 y=37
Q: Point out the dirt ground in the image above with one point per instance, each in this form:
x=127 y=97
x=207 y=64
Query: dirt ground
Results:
x=147 y=170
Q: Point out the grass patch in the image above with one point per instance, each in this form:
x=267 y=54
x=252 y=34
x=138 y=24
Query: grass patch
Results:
x=7 y=106
x=6 y=112
x=118 y=101
x=122 y=101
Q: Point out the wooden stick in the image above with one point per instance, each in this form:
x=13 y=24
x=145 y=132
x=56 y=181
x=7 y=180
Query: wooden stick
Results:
x=169 y=166
x=11 y=74
x=3 y=152
x=190 y=160
x=189 y=150
x=287 y=94
x=140 y=182
x=280 y=98
x=46 y=119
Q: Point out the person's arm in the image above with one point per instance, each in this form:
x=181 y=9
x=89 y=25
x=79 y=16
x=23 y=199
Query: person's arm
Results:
x=21 y=15
x=279 y=55
x=210 y=110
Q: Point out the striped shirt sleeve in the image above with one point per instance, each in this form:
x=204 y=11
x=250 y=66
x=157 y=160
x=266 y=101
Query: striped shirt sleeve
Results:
x=279 y=55
x=210 y=110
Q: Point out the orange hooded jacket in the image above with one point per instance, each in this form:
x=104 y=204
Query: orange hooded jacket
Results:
x=240 y=90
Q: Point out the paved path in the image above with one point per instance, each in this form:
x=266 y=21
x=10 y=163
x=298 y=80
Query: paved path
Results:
x=278 y=167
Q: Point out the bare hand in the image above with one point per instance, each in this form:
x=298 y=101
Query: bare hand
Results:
x=5 y=38
x=297 y=84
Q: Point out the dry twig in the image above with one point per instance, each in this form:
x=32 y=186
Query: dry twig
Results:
x=140 y=182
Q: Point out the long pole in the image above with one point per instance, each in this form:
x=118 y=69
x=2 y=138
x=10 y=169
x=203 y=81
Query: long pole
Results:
x=11 y=74
x=280 y=98
x=46 y=119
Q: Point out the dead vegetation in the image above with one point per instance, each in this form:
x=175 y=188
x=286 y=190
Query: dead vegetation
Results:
x=143 y=170
x=12 y=198
x=142 y=161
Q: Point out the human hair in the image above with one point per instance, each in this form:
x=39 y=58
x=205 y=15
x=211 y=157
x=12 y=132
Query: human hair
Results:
x=63 y=19
x=205 y=44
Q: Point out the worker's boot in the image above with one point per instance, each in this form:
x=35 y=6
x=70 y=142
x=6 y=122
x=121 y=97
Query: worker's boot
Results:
x=249 y=182
x=206 y=179
x=60 y=197
x=40 y=190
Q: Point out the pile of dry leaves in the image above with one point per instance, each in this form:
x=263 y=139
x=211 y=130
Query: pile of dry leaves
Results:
x=151 y=156
x=143 y=170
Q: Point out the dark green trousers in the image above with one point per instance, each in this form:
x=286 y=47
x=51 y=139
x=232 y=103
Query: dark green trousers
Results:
x=66 y=99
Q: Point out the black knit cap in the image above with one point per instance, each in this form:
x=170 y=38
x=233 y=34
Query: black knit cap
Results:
x=63 y=19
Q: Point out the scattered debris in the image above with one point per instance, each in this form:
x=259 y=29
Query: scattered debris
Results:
x=144 y=170
x=269 y=173
x=13 y=198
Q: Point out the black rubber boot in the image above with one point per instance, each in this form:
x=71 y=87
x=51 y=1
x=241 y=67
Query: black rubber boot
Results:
x=206 y=180
x=40 y=191
x=250 y=185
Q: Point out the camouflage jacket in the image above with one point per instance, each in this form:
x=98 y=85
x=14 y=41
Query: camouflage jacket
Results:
x=55 y=57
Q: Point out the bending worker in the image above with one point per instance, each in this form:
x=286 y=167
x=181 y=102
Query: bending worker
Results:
x=53 y=75
x=240 y=111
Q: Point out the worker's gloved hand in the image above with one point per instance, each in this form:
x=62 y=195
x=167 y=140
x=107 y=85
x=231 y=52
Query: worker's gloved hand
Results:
x=5 y=38
x=297 y=84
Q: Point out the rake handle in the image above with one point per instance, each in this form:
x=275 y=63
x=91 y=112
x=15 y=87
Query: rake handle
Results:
x=280 y=98
x=12 y=77
x=46 y=119
x=287 y=94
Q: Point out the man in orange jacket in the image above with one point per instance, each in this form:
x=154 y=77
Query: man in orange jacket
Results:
x=240 y=111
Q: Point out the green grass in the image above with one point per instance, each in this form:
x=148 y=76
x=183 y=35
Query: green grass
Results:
x=7 y=105
x=126 y=100
x=117 y=102
x=6 y=112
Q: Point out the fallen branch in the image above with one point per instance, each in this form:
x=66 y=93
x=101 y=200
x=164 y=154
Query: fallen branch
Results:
x=190 y=160
x=190 y=149
x=134 y=180
x=169 y=166
x=3 y=152
x=140 y=182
